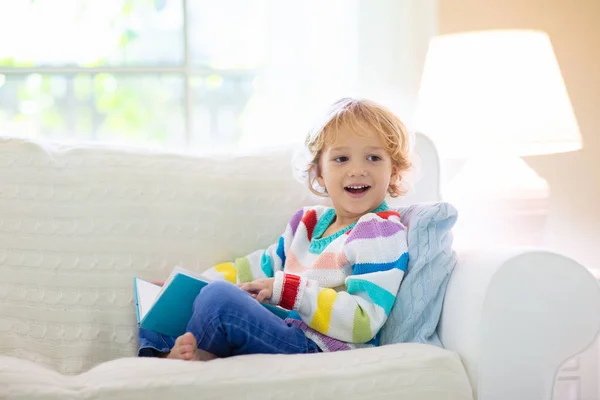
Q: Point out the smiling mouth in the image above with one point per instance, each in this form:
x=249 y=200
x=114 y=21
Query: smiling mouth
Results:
x=356 y=189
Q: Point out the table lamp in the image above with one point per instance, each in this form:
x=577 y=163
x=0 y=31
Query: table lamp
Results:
x=491 y=97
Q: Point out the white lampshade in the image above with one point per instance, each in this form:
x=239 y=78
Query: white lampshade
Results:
x=497 y=92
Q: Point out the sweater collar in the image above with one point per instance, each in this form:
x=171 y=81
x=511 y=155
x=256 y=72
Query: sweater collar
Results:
x=318 y=243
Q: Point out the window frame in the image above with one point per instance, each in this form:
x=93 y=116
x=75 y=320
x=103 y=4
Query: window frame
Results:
x=187 y=70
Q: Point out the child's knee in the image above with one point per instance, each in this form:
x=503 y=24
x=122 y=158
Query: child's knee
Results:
x=215 y=295
x=220 y=288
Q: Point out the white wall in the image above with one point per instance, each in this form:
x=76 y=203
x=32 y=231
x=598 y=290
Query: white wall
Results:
x=393 y=40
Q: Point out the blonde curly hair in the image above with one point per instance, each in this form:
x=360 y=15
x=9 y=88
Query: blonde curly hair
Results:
x=361 y=116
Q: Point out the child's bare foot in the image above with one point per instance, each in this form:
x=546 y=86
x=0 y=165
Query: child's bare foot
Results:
x=186 y=348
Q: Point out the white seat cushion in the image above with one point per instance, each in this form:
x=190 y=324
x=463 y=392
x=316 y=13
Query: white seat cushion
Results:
x=402 y=371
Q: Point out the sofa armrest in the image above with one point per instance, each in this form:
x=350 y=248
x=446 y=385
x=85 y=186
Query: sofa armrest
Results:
x=514 y=317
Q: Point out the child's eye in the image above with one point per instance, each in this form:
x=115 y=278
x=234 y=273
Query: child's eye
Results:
x=340 y=159
x=373 y=158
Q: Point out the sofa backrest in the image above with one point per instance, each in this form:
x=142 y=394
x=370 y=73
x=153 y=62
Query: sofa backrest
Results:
x=77 y=223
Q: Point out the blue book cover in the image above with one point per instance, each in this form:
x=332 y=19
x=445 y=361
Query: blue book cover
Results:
x=167 y=309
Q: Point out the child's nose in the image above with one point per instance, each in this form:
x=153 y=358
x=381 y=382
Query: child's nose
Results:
x=357 y=169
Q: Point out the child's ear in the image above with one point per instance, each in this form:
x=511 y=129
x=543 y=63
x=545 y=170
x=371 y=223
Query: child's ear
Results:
x=317 y=171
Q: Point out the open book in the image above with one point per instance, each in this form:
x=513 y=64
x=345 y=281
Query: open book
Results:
x=167 y=309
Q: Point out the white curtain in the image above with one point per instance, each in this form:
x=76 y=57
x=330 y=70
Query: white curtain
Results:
x=319 y=51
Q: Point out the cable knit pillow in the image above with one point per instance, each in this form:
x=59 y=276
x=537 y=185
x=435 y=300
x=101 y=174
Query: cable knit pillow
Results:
x=416 y=312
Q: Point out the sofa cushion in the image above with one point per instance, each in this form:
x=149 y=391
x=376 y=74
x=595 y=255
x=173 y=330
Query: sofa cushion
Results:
x=77 y=223
x=404 y=371
x=417 y=309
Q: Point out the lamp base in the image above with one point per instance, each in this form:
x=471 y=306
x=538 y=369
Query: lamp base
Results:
x=501 y=202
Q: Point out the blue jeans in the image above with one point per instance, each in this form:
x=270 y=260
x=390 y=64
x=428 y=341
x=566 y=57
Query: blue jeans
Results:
x=226 y=321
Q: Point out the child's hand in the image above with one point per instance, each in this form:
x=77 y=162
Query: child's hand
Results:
x=159 y=283
x=260 y=289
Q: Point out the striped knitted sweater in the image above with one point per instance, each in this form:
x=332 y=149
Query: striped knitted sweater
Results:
x=340 y=288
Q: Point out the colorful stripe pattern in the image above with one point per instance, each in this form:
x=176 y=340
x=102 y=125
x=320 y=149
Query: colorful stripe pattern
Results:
x=342 y=287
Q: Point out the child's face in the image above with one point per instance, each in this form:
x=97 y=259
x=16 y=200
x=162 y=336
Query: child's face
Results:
x=356 y=171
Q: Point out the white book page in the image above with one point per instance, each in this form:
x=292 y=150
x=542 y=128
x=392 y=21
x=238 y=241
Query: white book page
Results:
x=193 y=274
x=146 y=295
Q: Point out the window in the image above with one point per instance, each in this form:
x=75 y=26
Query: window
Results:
x=165 y=72
x=200 y=74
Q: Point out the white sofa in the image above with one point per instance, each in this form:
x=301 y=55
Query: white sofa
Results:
x=77 y=223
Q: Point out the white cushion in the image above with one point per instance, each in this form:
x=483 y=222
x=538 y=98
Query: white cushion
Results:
x=77 y=224
x=403 y=371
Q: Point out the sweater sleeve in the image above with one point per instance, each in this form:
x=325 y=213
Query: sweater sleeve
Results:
x=377 y=252
x=260 y=263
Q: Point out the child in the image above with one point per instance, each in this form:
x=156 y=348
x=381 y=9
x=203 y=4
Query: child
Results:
x=338 y=269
